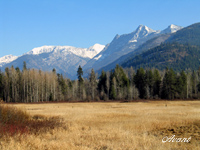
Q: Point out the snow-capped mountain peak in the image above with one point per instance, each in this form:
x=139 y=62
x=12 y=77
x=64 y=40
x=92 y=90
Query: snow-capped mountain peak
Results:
x=175 y=28
x=82 y=52
x=171 y=29
x=125 y=43
x=142 y=28
x=145 y=30
x=96 y=47
x=7 y=59
x=121 y=45
x=142 y=32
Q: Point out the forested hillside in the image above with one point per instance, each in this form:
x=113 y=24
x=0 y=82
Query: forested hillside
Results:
x=179 y=50
x=171 y=55
x=31 y=85
x=189 y=35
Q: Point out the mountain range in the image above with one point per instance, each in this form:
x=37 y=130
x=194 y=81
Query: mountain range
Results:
x=122 y=50
x=143 y=38
x=65 y=59
x=180 y=51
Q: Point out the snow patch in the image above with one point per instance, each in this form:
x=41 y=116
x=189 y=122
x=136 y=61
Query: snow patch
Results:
x=96 y=58
x=132 y=41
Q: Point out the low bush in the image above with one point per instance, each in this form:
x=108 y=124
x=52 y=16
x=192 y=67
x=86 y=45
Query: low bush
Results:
x=12 y=115
x=16 y=121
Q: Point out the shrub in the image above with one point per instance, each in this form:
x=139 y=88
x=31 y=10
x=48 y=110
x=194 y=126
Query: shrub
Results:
x=15 y=121
x=12 y=115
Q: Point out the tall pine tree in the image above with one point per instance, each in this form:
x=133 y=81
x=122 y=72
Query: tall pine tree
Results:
x=93 y=83
x=169 y=85
x=80 y=82
x=157 y=82
x=140 y=82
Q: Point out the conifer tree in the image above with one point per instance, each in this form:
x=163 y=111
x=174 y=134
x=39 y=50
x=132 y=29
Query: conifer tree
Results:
x=108 y=84
x=169 y=85
x=1 y=85
x=181 y=85
x=122 y=83
x=24 y=66
x=80 y=82
x=140 y=82
x=149 y=83
x=80 y=74
x=157 y=82
x=102 y=83
x=194 y=83
x=113 y=94
x=93 y=83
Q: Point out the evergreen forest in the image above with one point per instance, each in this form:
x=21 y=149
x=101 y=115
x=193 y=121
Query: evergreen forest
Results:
x=172 y=55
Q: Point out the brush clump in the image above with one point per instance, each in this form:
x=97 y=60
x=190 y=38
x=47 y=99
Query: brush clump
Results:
x=16 y=121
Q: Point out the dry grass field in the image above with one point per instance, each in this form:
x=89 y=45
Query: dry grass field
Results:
x=112 y=126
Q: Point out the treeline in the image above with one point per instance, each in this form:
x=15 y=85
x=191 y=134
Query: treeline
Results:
x=30 y=85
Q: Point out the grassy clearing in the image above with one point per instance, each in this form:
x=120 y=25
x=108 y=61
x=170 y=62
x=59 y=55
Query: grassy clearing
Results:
x=111 y=126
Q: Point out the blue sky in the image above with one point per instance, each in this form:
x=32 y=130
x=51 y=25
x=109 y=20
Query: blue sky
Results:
x=25 y=24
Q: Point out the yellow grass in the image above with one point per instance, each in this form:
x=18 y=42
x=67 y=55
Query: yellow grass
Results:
x=111 y=126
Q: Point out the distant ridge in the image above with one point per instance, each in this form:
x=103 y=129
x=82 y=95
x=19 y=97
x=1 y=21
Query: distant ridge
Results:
x=65 y=59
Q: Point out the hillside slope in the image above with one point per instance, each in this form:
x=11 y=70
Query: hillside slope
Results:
x=171 y=55
x=188 y=35
x=144 y=47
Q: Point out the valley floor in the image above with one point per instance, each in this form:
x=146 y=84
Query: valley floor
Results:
x=113 y=126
